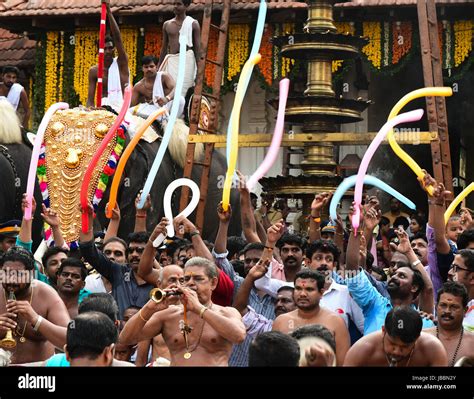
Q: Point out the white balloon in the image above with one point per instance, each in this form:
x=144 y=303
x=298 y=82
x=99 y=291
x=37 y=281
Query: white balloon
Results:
x=167 y=205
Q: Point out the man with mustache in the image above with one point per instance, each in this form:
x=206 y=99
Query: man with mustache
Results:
x=128 y=288
x=399 y=343
x=291 y=248
x=309 y=288
x=451 y=308
x=71 y=279
x=14 y=92
x=404 y=285
x=211 y=330
x=419 y=243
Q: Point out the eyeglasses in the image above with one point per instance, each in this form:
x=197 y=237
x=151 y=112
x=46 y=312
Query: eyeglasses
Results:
x=138 y=250
x=456 y=267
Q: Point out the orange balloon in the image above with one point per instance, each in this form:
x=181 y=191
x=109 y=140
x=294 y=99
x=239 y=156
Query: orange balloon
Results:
x=124 y=158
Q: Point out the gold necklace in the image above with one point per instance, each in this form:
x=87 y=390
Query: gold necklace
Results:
x=22 y=338
x=187 y=329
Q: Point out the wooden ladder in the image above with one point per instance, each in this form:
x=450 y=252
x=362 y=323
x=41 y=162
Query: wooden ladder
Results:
x=435 y=106
x=214 y=99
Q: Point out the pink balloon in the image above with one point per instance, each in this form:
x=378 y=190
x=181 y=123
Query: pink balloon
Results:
x=411 y=116
x=277 y=137
x=34 y=156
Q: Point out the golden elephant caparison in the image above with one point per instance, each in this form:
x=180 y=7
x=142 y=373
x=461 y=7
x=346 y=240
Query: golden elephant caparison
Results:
x=71 y=139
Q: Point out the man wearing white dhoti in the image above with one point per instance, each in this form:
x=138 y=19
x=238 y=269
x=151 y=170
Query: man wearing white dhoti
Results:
x=14 y=92
x=155 y=90
x=169 y=57
x=116 y=74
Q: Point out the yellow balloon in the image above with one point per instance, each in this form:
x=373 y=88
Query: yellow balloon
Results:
x=464 y=193
x=425 y=92
x=234 y=122
x=124 y=158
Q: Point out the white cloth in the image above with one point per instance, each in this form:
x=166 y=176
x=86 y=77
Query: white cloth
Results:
x=171 y=65
x=187 y=30
x=14 y=94
x=114 y=97
x=94 y=283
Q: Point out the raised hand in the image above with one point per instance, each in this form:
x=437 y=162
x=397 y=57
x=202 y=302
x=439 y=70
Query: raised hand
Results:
x=259 y=270
x=160 y=228
x=49 y=216
x=146 y=205
x=466 y=219
x=115 y=212
x=224 y=216
x=242 y=184
x=404 y=245
x=183 y=225
x=320 y=201
x=24 y=204
x=372 y=218
x=275 y=231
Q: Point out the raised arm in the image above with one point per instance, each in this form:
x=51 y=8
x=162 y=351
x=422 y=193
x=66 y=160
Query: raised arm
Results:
x=220 y=244
x=319 y=202
x=141 y=214
x=145 y=268
x=25 y=229
x=353 y=247
x=114 y=224
x=122 y=59
x=246 y=211
x=241 y=299
x=184 y=225
x=50 y=217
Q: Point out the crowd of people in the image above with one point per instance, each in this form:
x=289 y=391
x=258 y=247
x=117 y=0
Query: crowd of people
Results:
x=393 y=293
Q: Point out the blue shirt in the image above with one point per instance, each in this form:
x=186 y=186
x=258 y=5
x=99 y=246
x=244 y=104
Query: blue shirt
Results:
x=375 y=306
x=58 y=360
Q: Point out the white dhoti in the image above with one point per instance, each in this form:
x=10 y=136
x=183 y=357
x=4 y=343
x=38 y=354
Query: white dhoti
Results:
x=171 y=65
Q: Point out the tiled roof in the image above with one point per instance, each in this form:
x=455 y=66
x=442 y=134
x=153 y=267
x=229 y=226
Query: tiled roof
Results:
x=16 y=50
x=392 y=3
x=10 y=8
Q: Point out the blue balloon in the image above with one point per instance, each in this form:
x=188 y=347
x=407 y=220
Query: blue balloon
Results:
x=350 y=181
x=169 y=127
x=257 y=40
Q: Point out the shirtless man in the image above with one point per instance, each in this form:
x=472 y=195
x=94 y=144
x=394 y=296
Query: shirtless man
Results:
x=170 y=45
x=214 y=328
x=400 y=343
x=309 y=288
x=151 y=93
x=71 y=279
x=14 y=92
x=122 y=63
x=37 y=316
x=451 y=308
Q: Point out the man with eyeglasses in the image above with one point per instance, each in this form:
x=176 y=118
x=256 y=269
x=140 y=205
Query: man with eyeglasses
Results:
x=70 y=280
x=462 y=271
x=128 y=288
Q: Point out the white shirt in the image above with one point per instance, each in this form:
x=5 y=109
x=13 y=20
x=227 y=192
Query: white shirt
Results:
x=468 y=322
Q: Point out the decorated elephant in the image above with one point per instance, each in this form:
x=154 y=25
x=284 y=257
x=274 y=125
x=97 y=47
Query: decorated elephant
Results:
x=15 y=153
x=72 y=137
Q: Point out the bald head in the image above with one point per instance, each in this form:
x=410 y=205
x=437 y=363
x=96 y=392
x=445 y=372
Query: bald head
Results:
x=171 y=274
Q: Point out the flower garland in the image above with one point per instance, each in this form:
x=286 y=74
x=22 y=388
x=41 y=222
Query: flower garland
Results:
x=211 y=54
x=129 y=39
x=346 y=28
x=448 y=45
x=153 y=40
x=85 y=56
x=266 y=50
x=51 y=73
x=108 y=171
x=69 y=94
x=462 y=41
x=373 y=49
x=238 y=49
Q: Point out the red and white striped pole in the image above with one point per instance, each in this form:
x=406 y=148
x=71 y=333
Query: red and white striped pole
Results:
x=100 y=66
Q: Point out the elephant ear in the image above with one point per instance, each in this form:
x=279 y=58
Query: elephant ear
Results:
x=71 y=139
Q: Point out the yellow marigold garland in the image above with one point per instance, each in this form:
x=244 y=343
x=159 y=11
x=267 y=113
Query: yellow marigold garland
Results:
x=51 y=77
x=85 y=56
x=212 y=55
x=462 y=41
x=373 y=49
x=129 y=38
x=402 y=35
x=60 y=67
x=344 y=28
x=238 y=49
